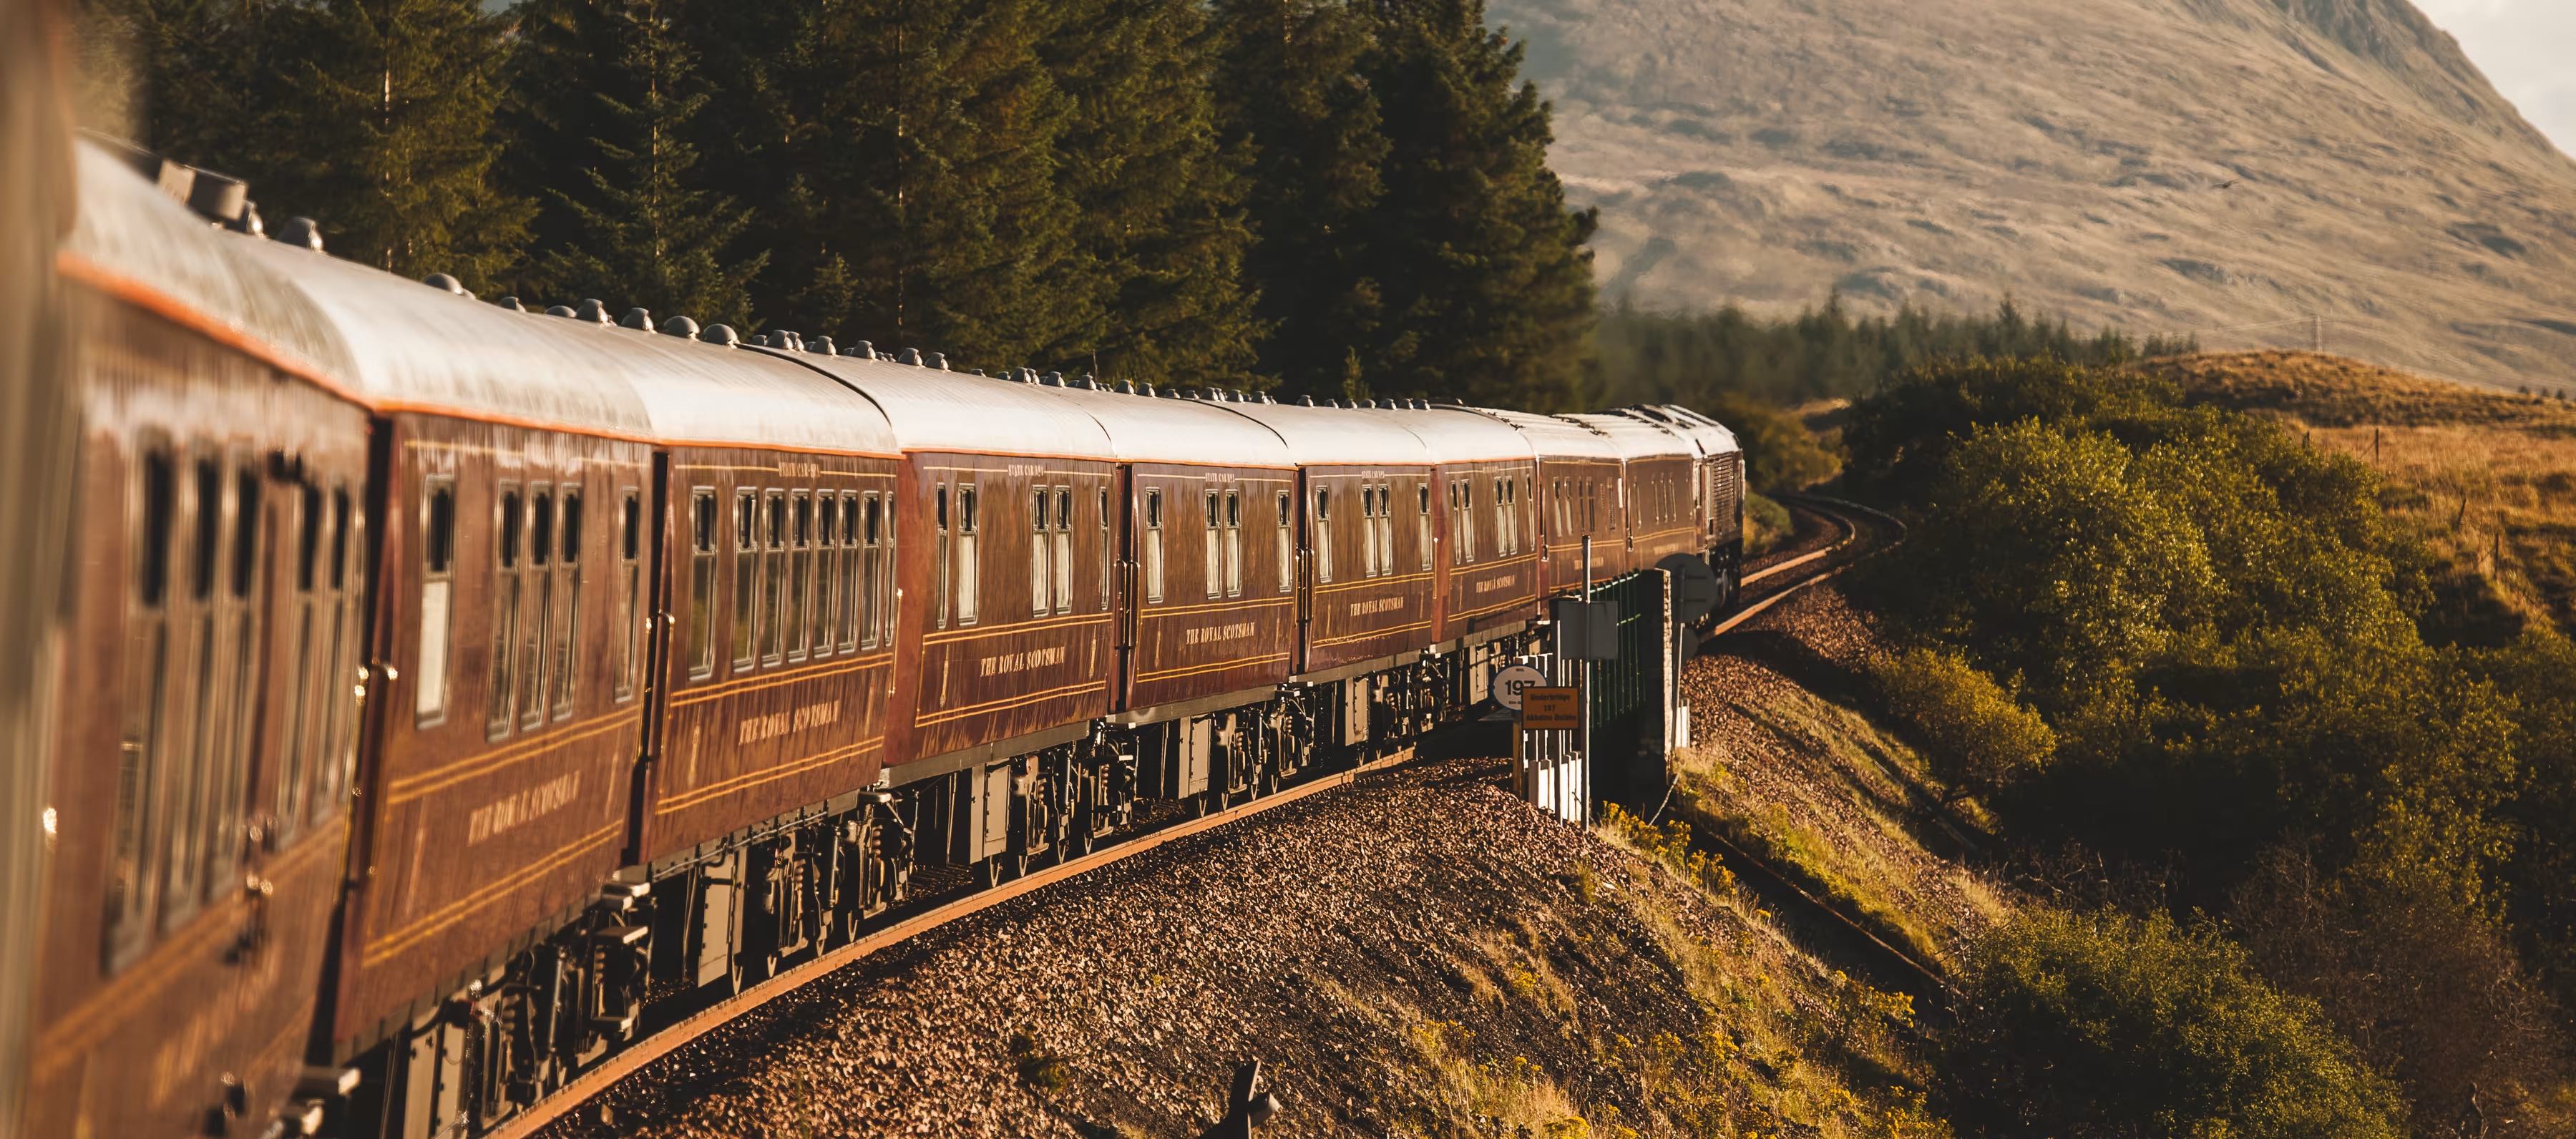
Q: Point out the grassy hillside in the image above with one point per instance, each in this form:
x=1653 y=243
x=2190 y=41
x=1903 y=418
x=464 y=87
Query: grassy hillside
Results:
x=2483 y=478
x=2161 y=165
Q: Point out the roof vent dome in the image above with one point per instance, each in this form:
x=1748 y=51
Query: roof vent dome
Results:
x=862 y=349
x=593 y=311
x=301 y=232
x=511 y=303
x=680 y=326
x=450 y=285
x=722 y=334
x=910 y=356
x=1149 y=390
x=935 y=362
x=559 y=310
x=1052 y=379
x=636 y=318
x=822 y=346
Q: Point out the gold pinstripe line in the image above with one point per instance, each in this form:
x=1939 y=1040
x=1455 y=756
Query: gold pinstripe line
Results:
x=1032 y=625
x=1386 y=632
x=453 y=912
x=507 y=752
x=1007 y=703
x=1267 y=603
x=1178 y=673
x=791 y=676
x=750 y=779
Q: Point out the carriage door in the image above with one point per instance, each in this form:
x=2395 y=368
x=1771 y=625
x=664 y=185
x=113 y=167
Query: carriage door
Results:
x=1118 y=549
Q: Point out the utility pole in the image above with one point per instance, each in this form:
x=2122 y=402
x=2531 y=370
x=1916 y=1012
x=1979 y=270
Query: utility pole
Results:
x=1583 y=740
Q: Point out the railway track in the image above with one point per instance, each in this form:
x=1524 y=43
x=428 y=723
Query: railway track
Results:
x=1851 y=532
x=1855 y=532
x=633 y=1060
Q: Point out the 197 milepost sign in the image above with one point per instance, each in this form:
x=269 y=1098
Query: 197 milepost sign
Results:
x=1511 y=679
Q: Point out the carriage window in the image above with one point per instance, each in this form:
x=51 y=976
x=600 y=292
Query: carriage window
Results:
x=1064 y=549
x=568 y=593
x=303 y=703
x=773 y=577
x=1233 y=543
x=437 y=586
x=872 y=568
x=968 y=593
x=702 y=583
x=1467 y=517
x=939 y=601
x=228 y=808
x=1422 y=523
x=1322 y=528
x=746 y=577
x=541 y=609
x=1154 y=546
x=1502 y=516
x=140 y=750
x=339 y=733
x=630 y=589
x=1287 y=547
x=508 y=522
x=830 y=536
x=1041 y=554
x=1213 y=568
x=792 y=626
x=844 y=625
x=1386 y=529
x=1107 y=549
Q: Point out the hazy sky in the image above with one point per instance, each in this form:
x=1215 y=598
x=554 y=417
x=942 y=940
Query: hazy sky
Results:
x=2527 y=48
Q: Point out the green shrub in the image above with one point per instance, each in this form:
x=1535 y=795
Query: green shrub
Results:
x=2104 y=1025
x=1780 y=454
x=1767 y=524
x=1976 y=737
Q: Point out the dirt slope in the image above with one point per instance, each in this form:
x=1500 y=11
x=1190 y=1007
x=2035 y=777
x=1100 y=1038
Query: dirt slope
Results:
x=2077 y=154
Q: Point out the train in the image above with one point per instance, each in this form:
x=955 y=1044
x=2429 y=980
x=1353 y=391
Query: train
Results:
x=456 y=691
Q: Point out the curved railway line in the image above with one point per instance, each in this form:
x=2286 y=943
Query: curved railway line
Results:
x=1850 y=532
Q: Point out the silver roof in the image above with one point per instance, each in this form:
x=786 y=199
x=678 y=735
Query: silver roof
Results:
x=1637 y=439
x=1710 y=436
x=1455 y=436
x=1552 y=437
x=934 y=410
x=1145 y=429
x=140 y=240
x=1336 y=436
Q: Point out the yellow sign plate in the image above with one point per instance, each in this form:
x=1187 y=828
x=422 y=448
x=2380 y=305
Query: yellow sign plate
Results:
x=1551 y=709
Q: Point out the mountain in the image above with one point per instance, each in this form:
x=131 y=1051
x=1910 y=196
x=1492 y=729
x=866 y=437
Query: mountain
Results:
x=2162 y=165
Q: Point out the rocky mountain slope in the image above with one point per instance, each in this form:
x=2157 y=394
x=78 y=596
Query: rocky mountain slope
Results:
x=2164 y=165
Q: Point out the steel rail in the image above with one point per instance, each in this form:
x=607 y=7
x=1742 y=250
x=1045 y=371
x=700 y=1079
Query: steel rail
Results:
x=587 y=1086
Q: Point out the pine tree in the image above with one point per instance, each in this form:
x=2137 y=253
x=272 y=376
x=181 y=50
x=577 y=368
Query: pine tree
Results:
x=901 y=157
x=391 y=105
x=1291 y=104
x=1487 y=287
x=607 y=95
x=1159 y=206
x=197 y=80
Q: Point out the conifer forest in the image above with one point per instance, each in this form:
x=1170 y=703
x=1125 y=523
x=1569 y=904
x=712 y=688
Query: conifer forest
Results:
x=1330 y=197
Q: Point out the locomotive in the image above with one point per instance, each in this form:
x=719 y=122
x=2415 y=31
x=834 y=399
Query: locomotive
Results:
x=455 y=691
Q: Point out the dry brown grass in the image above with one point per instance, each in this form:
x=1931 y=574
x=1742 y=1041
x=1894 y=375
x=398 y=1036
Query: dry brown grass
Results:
x=2486 y=479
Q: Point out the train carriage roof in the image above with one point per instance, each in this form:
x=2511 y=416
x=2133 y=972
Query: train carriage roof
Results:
x=1711 y=437
x=131 y=238
x=936 y=410
x=1336 y=436
x=420 y=348
x=1144 y=429
x=1637 y=439
x=1553 y=438
x=1453 y=436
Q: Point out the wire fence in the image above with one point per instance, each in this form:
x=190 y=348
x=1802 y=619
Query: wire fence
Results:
x=2397 y=351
